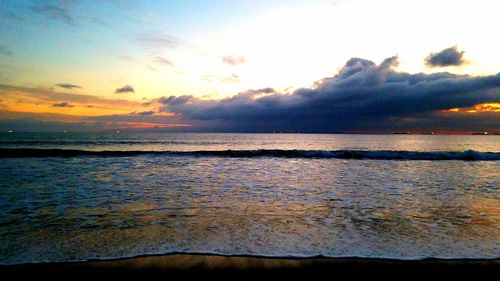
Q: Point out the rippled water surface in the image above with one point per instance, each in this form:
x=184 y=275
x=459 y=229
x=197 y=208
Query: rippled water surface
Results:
x=76 y=208
x=192 y=142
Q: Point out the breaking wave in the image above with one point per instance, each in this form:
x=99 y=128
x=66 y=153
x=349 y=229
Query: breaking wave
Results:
x=468 y=155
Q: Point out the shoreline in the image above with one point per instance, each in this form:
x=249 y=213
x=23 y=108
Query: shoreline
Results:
x=178 y=263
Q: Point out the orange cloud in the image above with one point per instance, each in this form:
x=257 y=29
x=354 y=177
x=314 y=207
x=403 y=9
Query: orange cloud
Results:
x=69 y=111
x=85 y=123
x=22 y=99
x=485 y=107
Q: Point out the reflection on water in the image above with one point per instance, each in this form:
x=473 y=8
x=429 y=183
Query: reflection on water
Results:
x=190 y=142
x=79 y=208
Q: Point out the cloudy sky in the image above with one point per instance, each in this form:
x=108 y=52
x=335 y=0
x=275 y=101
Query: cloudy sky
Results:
x=250 y=66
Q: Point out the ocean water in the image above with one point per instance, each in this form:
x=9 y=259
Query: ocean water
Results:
x=66 y=197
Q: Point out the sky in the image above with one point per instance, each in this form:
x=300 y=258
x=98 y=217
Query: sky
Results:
x=250 y=66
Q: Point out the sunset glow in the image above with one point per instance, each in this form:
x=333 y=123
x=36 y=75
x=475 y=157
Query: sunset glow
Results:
x=315 y=137
x=75 y=58
x=485 y=107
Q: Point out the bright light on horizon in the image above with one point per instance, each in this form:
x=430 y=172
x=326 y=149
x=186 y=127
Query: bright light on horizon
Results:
x=216 y=50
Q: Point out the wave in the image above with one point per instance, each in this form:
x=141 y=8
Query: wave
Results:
x=468 y=155
x=156 y=256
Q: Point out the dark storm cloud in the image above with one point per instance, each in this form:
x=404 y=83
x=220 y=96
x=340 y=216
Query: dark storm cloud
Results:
x=62 y=104
x=5 y=51
x=233 y=60
x=55 y=12
x=362 y=96
x=68 y=86
x=447 y=57
x=174 y=101
x=125 y=89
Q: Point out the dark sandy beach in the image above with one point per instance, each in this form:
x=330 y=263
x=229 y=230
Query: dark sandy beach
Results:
x=245 y=266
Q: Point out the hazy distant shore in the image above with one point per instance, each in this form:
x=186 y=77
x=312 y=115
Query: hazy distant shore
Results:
x=206 y=263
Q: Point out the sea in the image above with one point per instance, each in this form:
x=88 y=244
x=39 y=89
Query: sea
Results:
x=86 y=196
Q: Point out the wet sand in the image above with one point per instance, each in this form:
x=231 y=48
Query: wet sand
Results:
x=246 y=266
